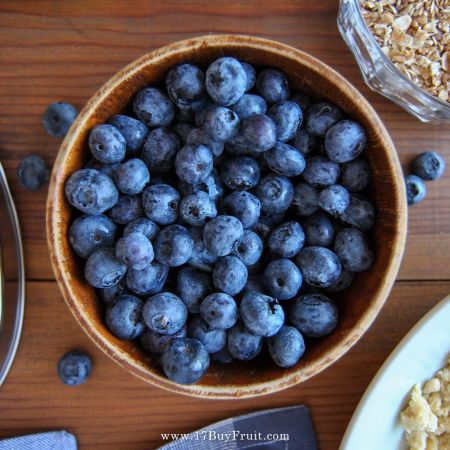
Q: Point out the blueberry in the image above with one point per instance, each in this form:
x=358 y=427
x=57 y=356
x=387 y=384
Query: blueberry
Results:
x=154 y=342
x=287 y=239
x=105 y=168
x=255 y=283
x=286 y=347
x=132 y=176
x=196 y=209
x=192 y=287
x=58 y=118
x=186 y=116
x=343 y=282
x=320 y=267
x=90 y=191
x=142 y=225
x=304 y=141
x=305 y=201
x=321 y=171
x=267 y=223
x=153 y=107
x=275 y=193
x=185 y=360
x=249 y=105
x=199 y=116
x=222 y=234
x=183 y=129
x=220 y=123
x=135 y=250
x=160 y=203
x=334 y=199
x=285 y=159
x=193 y=163
x=185 y=85
x=240 y=173
x=107 y=144
x=200 y=136
x=345 y=141
x=173 y=245
x=355 y=175
x=124 y=317
x=200 y=257
x=32 y=172
x=272 y=85
x=222 y=356
x=226 y=81
x=111 y=293
x=213 y=339
x=74 y=368
x=428 y=166
x=103 y=269
x=133 y=131
x=320 y=117
x=282 y=279
x=319 y=230
x=251 y=75
x=288 y=117
x=219 y=311
x=314 y=315
x=160 y=150
x=360 y=213
x=243 y=344
x=250 y=248
x=243 y=205
x=302 y=100
x=353 y=249
x=164 y=313
x=261 y=314
x=127 y=208
x=89 y=233
x=415 y=191
x=149 y=280
x=230 y=275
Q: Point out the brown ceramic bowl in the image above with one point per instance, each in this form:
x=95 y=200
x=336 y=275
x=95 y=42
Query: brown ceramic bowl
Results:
x=358 y=306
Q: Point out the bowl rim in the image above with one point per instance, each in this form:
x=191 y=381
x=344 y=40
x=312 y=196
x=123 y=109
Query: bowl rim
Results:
x=54 y=237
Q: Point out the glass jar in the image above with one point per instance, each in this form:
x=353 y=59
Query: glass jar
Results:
x=380 y=74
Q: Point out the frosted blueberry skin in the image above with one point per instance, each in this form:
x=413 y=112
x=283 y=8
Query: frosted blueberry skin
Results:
x=321 y=172
x=267 y=223
x=345 y=141
x=288 y=117
x=111 y=293
x=133 y=131
x=107 y=144
x=282 y=279
x=214 y=339
x=74 y=368
x=343 y=282
x=135 y=250
x=319 y=230
x=32 y=172
x=287 y=239
x=243 y=344
x=156 y=343
x=200 y=257
x=220 y=123
x=127 y=209
x=275 y=193
x=200 y=136
x=185 y=360
x=173 y=245
x=229 y=275
x=250 y=72
x=285 y=159
x=149 y=280
x=142 y=225
x=415 y=193
x=219 y=310
x=242 y=205
x=182 y=129
x=124 y=317
x=89 y=233
x=164 y=313
x=334 y=199
x=193 y=163
x=90 y=191
x=197 y=209
x=240 y=173
x=58 y=118
x=222 y=234
x=249 y=105
x=272 y=85
x=304 y=141
x=222 y=356
x=193 y=286
x=132 y=176
x=314 y=315
x=428 y=166
x=305 y=201
x=160 y=203
x=322 y=116
x=250 y=248
x=160 y=150
x=103 y=269
x=153 y=107
x=360 y=213
x=355 y=175
x=105 y=168
x=353 y=249
x=286 y=347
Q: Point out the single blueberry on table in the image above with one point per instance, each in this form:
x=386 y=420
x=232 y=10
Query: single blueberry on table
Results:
x=132 y=176
x=334 y=199
x=415 y=190
x=219 y=310
x=229 y=275
x=261 y=314
x=250 y=71
x=107 y=144
x=285 y=159
x=352 y=247
x=249 y=105
x=173 y=245
x=222 y=356
x=302 y=100
x=149 y=280
x=213 y=339
x=288 y=117
x=360 y=213
x=182 y=129
x=164 y=313
x=243 y=205
x=200 y=257
x=193 y=286
x=243 y=344
x=305 y=200
x=193 y=163
x=320 y=267
x=343 y=282
x=32 y=172
x=286 y=347
x=345 y=141
x=89 y=233
x=197 y=209
x=250 y=248
x=220 y=123
x=103 y=269
x=222 y=234
x=226 y=81
x=160 y=203
x=90 y=191
x=314 y=315
x=304 y=141
x=142 y=225
x=58 y=118
x=111 y=293
x=272 y=85
x=133 y=131
x=321 y=171
x=200 y=136
x=355 y=175
x=127 y=208
x=282 y=279
x=185 y=360
x=135 y=250
x=74 y=368
x=153 y=107
x=322 y=116
x=160 y=150
x=275 y=193
x=319 y=230
x=156 y=343
x=240 y=173
x=428 y=166
x=124 y=317
x=287 y=239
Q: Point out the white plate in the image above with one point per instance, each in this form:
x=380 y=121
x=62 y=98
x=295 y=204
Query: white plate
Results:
x=375 y=424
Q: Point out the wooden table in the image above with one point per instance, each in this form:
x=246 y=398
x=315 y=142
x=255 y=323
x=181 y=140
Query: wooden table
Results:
x=52 y=50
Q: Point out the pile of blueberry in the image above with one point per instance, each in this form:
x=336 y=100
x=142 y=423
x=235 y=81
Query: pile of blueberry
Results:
x=221 y=215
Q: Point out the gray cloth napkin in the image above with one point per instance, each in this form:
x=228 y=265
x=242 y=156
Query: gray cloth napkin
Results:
x=290 y=429
x=53 y=440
